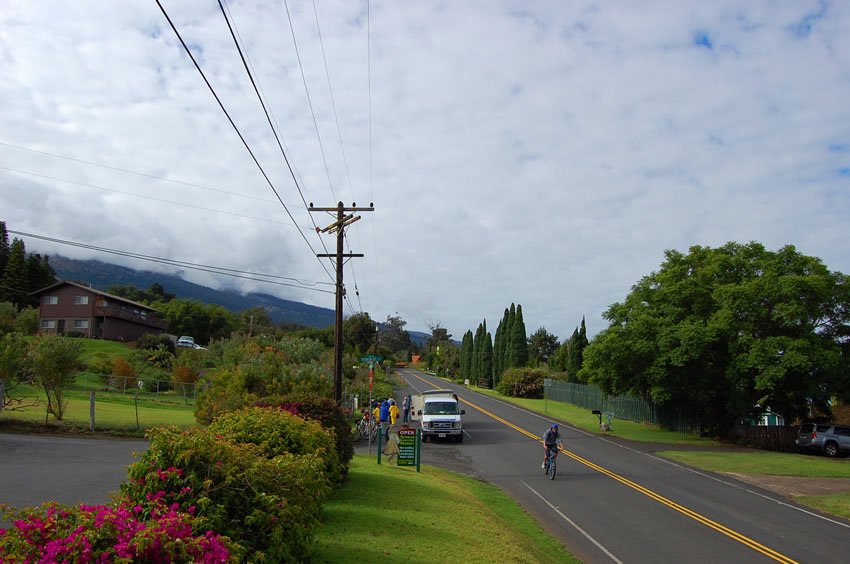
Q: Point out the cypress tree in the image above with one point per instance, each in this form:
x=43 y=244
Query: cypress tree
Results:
x=509 y=339
x=573 y=355
x=15 y=284
x=476 y=355
x=466 y=356
x=498 y=350
x=4 y=247
x=487 y=361
x=519 y=340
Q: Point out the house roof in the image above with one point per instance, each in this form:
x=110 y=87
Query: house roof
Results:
x=93 y=291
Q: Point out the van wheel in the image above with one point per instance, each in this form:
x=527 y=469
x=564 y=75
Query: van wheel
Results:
x=830 y=449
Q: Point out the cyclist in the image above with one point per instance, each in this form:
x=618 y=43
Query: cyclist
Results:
x=551 y=441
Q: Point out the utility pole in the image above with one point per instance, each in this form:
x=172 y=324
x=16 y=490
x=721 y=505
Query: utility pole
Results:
x=338 y=227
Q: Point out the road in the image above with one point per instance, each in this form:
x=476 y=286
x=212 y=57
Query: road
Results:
x=614 y=503
x=35 y=469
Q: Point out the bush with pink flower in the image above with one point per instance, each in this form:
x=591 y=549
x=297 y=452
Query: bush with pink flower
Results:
x=109 y=533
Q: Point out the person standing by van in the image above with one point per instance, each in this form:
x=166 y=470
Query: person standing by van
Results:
x=405 y=409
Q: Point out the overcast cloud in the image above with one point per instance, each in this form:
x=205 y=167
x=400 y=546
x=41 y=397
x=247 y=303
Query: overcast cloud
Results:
x=543 y=153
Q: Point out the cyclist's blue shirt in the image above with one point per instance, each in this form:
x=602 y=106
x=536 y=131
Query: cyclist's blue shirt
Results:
x=550 y=437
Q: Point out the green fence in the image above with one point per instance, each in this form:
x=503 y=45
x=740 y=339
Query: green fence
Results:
x=676 y=418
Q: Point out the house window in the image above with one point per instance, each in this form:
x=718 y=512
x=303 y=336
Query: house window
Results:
x=81 y=300
x=81 y=324
x=51 y=300
x=48 y=324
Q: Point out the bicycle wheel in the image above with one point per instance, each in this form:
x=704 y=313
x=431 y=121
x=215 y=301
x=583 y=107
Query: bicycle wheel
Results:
x=363 y=427
x=552 y=467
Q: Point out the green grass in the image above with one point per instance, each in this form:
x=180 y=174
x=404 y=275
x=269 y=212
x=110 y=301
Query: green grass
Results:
x=764 y=462
x=95 y=349
x=387 y=513
x=584 y=419
x=835 y=504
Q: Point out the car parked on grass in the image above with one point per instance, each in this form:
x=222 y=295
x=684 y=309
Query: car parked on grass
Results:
x=186 y=341
x=828 y=438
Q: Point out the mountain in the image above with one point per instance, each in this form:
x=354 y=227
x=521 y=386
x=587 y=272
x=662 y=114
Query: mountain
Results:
x=102 y=275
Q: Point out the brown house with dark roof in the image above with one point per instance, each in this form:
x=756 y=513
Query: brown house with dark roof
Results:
x=67 y=307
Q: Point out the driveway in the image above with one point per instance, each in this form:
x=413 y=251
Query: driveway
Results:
x=35 y=468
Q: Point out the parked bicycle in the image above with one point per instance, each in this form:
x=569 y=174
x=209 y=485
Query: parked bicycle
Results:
x=367 y=428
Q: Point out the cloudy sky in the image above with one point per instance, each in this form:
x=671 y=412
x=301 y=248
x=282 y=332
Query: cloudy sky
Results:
x=543 y=153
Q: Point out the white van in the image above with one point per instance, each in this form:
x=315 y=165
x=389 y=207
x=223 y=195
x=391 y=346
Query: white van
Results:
x=438 y=412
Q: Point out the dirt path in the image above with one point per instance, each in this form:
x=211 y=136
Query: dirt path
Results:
x=793 y=486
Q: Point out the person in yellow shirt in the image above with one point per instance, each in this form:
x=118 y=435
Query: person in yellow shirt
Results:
x=376 y=414
x=393 y=412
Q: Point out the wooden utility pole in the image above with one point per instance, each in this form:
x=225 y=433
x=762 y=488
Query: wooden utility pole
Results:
x=338 y=227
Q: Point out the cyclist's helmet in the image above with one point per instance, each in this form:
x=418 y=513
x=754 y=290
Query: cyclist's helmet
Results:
x=554 y=427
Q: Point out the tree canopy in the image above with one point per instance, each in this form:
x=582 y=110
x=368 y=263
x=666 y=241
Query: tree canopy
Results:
x=731 y=331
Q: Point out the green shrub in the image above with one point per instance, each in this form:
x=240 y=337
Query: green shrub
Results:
x=332 y=417
x=268 y=506
x=277 y=432
x=220 y=391
x=154 y=341
x=522 y=383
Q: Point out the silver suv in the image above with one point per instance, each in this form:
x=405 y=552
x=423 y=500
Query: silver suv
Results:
x=827 y=438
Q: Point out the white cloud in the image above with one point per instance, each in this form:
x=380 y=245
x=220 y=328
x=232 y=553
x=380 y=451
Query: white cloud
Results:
x=545 y=154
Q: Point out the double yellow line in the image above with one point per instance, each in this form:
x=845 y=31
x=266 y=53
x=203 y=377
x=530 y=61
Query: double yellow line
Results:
x=755 y=545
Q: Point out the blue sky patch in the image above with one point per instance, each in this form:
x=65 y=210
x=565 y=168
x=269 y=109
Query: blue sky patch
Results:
x=838 y=147
x=844 y=171
x=804 y=27
x=702 y=39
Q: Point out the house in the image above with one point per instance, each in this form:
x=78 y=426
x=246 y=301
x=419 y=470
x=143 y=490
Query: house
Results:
x=67 y=307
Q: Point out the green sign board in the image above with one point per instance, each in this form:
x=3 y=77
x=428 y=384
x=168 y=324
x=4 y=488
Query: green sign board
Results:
x=371 y=358
x=406 y=447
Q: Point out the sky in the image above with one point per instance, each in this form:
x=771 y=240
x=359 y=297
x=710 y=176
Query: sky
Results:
x=539 y=153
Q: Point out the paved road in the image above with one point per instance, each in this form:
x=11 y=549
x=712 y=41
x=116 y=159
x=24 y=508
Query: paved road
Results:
x=35 y=469
x=613 y=503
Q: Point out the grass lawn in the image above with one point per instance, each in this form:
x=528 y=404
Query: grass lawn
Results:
x=836 y=504
x=388 y=513
x=765 y=462
x=584 y=419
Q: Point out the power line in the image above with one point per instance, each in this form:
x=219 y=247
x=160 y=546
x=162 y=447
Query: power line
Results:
x=309 y=99
x=265 y=111
x=333 y=102
x=113 y=190
x=247 y=275
x=235 y=128
x=144 y=174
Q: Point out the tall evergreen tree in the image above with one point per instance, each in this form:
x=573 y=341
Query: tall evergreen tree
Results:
x=519 y=340
x=487 y=360
x=39 y=275
x=4 y=247
x=14 y=285
x=498 y=349
x=477 y=343
x=509 y=338
x=466 y=357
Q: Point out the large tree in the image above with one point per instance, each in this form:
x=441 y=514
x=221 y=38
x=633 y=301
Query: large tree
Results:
x=730 y=331
x=14 y=283
x=519 y=340
x=466 y=357
x=541 y=345
x=360 y=333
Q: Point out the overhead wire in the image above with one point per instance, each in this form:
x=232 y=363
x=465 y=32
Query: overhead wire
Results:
x=255 y=84
x=137 y=173
x=239 y=133
x=153 y=198
x=244 y=274
x=371 y=180
x=309 y=98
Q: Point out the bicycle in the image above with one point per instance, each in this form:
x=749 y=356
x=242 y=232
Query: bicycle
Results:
x=366 y=428
x=551 y=462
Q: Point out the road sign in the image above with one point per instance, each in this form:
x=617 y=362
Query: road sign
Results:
x=371 y=358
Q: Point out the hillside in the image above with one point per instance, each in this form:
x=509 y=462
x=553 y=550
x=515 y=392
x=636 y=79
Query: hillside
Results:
x=102 y=275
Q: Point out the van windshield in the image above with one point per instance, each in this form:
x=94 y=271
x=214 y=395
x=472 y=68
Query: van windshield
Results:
x=440 y=408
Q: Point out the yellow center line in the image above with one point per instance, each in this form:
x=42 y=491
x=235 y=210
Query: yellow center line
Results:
x=755 y=545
